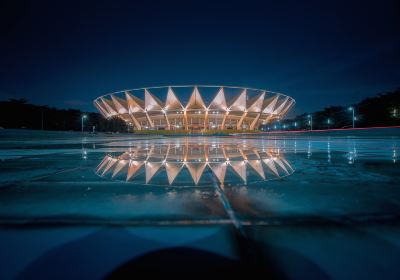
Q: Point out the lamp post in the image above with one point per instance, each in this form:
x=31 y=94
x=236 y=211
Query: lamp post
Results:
x=329 y=123
x=310 y=121
x=83 y=117
x=353 y=119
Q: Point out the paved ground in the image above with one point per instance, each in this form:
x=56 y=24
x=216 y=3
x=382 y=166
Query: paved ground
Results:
x=335 y=215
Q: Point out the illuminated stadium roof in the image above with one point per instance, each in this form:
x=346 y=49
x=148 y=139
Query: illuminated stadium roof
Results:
x=235 y=108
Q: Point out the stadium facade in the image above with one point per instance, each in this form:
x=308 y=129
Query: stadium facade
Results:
x=234 y=108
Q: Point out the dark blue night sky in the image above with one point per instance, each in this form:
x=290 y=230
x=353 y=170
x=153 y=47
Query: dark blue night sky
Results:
x=66 y=54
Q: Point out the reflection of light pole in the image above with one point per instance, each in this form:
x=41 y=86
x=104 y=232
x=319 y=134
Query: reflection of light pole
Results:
x=83 y=117
x=353 y=119
x=310 y=121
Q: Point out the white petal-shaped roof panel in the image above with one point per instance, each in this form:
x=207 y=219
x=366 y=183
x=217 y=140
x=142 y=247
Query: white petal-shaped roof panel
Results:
x=256 y=104
x=239 y=103
x=196 y=101
x=151 y=102
x=172 y=102
x=219 y=101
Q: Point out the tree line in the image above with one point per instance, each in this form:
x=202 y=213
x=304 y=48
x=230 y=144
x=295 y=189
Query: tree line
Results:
x=18 y=113
x=380 y=110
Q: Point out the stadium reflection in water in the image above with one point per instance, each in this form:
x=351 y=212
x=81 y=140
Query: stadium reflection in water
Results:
x=193 y=164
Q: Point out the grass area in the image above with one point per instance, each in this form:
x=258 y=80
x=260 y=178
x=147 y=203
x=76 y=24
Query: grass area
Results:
x=186 y=132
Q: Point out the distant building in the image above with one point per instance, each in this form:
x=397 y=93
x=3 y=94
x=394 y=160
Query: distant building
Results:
x=232 y=108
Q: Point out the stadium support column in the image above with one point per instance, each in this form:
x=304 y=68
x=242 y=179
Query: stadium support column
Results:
x=149 y=120
x=206 y=120
x=269 y=118
x=167 y=121
x=241 y=120
x=206 y=151
x=135 y=121
x=185 y=120
x=224 y=153
x=224 y=120
x=255 y=121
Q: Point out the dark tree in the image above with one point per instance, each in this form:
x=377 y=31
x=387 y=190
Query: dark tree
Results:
x=381 y=110
x=17 y=113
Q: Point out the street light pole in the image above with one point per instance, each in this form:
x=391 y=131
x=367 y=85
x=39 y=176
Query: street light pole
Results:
x=310 y=121
x=83 y=117
x=353 y=119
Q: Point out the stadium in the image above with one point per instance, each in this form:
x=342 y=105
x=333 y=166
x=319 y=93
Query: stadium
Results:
x=234 y=108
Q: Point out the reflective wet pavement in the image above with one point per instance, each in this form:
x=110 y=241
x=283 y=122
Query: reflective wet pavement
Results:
x=297 y=206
